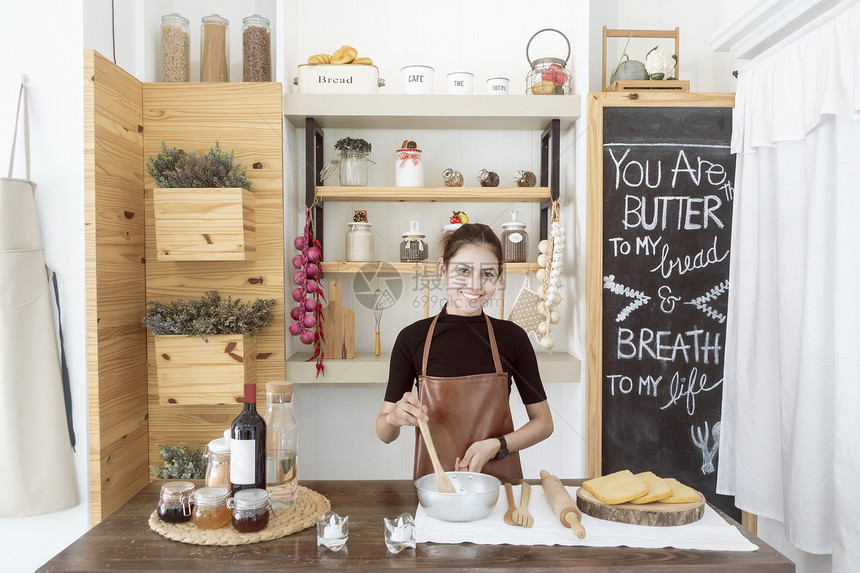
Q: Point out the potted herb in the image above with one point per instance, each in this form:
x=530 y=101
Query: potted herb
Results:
x=353 y=162
x=205 y=348
x=180 y=462
x=203 y=206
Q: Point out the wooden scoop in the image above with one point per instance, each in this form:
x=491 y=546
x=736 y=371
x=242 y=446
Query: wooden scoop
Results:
x=443 y=482
x=562 y=504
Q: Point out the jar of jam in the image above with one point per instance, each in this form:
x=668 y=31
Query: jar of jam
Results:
x=488 y=178
x=413 y=247
x=359 y=242
x=210 y=511
x=515 y=240
x=218 y=463
x=250 y=510
x=174 y=503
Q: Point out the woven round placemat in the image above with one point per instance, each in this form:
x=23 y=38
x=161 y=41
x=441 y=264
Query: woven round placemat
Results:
x=307 y=510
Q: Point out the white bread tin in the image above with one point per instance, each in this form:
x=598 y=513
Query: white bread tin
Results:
x=338 y=79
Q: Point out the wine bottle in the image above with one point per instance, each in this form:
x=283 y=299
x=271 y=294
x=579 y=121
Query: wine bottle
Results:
x=248 y=446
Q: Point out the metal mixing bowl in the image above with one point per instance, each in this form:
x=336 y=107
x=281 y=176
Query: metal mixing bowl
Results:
x=476 y=496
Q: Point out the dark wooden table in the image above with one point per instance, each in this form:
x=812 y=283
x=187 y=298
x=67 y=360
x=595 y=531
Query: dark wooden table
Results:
x=124 y=542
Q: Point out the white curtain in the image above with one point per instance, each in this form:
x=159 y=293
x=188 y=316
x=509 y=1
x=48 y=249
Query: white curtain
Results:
x=790 y=444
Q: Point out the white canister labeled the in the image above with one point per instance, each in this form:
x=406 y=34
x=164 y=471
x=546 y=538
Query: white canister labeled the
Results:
x=417 y=79
x=460 y=83
x=497 y=86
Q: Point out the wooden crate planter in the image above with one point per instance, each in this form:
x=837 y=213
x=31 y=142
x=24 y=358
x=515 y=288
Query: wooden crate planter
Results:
x=640 y=85
x=191 y=371
x=204 y=224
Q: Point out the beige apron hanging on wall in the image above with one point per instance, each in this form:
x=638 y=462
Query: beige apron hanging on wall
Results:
x=36 y=434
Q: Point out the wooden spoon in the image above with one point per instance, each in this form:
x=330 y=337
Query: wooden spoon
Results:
x=443 y=482
x=508 y=517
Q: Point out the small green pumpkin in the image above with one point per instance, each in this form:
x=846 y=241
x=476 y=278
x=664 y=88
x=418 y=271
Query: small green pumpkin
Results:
x=628 y=69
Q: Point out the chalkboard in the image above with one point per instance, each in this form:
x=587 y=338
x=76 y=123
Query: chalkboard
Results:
x=666 y=196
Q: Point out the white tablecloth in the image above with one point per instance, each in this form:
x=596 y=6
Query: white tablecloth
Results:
x=712 y=532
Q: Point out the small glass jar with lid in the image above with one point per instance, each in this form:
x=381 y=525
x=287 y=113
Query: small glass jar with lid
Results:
x=515 y=240
x=218 y=463
x=175 y=49
x=210 y=507
x=413 y=246
x=214 y=49
x=174 y=502
x=250 y=510
x=359 y=241
x=452 y=178
x=256 y=49
x=488 y=178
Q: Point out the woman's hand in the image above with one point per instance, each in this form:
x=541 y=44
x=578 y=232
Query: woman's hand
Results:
x=477 y=455
x=393 y=416
x=406 y=411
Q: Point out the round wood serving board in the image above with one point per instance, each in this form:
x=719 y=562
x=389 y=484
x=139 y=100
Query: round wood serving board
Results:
x=654 y=513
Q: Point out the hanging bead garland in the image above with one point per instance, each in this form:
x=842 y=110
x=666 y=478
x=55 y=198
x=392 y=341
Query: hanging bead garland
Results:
x=551 y=259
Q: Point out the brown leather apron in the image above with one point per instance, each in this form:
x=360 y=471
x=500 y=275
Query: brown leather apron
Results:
x=464 y=410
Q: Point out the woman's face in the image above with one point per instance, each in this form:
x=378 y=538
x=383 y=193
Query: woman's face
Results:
x=470 y=278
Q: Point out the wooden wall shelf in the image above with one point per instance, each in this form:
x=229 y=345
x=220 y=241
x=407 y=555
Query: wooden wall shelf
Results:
x=365 y=368
x=433 y=194
x=428 y=268
x=396 y=111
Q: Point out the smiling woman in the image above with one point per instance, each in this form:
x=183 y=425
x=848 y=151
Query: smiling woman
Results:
x=465 y=364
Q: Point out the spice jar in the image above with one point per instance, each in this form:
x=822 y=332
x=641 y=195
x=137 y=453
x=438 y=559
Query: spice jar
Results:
x=359 y=242
x=525 y=178
x=218 y=463
x=250 y=510
x=175 y=49
x=174 y=502
x=256 y=50
x=488 y=178
x=210 y=507
x=214 y=49
x=408 y=167
x=452 y=178
x=413 y=247
x=515 y=240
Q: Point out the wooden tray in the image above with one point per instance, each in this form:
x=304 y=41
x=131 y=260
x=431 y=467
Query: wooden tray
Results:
x=654 y=513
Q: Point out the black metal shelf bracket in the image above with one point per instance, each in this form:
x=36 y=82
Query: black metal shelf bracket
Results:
x=313 y=169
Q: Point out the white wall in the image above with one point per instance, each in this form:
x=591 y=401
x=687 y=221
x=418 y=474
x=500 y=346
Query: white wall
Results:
x=53 y=59
x=486 y=37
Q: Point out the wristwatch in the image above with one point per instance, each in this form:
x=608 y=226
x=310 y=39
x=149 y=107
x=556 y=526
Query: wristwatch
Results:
x=503 y=449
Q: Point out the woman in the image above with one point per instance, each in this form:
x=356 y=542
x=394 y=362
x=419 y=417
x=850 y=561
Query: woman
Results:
x=464 y=362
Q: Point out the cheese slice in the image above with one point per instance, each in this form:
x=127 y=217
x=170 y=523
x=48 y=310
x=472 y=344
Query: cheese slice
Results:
x=617 y=487
x=658 y=489
x=680 y=493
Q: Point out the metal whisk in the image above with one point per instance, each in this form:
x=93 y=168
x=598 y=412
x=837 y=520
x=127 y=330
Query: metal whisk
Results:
x=377 y=315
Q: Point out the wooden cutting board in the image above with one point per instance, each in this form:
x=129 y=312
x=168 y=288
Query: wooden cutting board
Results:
x=338 y=325
x=654 y=513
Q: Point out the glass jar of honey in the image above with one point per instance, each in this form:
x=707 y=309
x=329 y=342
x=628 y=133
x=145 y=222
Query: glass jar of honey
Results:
x=174 y=502
x=250 y=510
x=210 y=511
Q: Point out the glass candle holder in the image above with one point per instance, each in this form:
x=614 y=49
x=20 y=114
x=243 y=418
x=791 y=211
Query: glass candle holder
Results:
x=332 y=531
x=399 y=532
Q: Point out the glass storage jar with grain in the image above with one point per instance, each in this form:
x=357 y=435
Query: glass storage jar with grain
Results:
x=174 y=501
x=413 y=246
x=210 y=507
x=218 y=463
x=256 y=49
x=515 y=240
x=359 y=242
x=214 y=49
x=175 y=49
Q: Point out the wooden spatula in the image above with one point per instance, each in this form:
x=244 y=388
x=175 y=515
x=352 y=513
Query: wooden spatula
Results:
x=443 y=482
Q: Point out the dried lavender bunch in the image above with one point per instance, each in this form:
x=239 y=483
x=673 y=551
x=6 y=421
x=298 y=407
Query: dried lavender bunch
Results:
x=215 y=168
x=209 y=314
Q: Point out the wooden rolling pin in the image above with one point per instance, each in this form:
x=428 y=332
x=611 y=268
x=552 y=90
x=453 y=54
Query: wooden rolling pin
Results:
x=562 y=504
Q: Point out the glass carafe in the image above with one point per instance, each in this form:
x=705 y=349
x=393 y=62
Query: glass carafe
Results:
x=281 y=443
